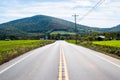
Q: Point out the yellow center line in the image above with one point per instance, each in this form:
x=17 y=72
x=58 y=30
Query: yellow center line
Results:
x=63 y=65
x=60 y=66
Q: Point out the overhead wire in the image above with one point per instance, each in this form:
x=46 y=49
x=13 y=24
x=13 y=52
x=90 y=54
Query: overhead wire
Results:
x=95 y=6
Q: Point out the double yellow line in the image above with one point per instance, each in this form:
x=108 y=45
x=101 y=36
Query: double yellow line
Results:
x=62 y=66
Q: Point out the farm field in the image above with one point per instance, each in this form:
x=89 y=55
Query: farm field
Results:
x=13 y=48
x=71 y=41
x=63 y=32
x=113 y=43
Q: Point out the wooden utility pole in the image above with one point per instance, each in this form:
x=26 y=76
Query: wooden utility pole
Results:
x=75 y=16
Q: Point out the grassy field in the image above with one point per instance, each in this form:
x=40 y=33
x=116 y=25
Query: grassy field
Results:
x=111 y=48
x=63 y=32
x=71 y=41
x=114 y=43
x=13 y=48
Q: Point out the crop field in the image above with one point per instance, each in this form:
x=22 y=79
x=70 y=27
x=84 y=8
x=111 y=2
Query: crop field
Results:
x=71 y=41
x=114 y=43
x=63 y=32
x=11 y=49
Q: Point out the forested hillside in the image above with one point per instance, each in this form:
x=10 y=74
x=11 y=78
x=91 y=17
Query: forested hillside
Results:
x=40 y=25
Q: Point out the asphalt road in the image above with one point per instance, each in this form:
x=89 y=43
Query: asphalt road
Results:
x=61 y=61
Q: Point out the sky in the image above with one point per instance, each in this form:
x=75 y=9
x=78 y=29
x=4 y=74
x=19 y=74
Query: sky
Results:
x=105 y=15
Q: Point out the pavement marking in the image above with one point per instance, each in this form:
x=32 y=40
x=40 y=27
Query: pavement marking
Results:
x=2 y=71
x=107 y=60
x=103 y=58
x=62 y=66
x=65 y=66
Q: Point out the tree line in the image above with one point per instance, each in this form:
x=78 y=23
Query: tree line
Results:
x=84 y=37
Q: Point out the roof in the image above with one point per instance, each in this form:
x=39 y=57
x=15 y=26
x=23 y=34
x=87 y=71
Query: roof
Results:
x=101 y=36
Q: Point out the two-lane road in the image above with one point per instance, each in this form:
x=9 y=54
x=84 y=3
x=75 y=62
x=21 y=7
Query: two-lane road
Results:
x=61 y=61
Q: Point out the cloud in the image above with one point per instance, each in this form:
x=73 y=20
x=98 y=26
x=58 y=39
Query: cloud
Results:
x=106 y=15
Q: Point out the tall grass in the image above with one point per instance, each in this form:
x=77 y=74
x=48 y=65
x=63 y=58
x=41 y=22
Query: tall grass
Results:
x=113 y=43
x=11 y=49
x=71 y=41
x=111 y=48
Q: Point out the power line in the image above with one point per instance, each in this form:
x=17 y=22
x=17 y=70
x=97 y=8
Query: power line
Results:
x=96 y=5
x=75 y=16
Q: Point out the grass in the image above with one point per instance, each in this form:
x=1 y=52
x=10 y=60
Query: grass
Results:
x=113 y=43
x=71 y=41
x=111 y=48
x=63 y=32
x=14 y=48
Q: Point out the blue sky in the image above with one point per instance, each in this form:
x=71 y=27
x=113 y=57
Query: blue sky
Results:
x=106 y=15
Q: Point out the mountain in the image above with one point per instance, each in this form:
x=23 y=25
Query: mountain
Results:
x=116 y=28
x=113 y=29
x=41 y=24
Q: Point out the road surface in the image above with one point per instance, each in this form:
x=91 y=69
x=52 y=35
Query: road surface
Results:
x=61 y=61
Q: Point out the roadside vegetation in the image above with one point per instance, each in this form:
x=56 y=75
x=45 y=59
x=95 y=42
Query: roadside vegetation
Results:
x=113 y=43
x=13 y=48
x=63 y=32
x=111 y=48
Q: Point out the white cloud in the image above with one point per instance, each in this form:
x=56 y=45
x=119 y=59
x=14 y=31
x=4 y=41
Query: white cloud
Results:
x=106 y=15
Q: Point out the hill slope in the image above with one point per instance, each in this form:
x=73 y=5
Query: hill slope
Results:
x=41 y=24
x=113 y=29
x=116 y=28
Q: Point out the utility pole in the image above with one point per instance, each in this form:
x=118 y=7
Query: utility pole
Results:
x=75 y=16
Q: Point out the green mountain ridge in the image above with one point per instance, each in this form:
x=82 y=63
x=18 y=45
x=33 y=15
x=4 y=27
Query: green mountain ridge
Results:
x=113 y=29
x=41 y=24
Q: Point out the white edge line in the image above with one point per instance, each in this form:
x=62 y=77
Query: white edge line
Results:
x=103 y=58
x=107 y=60
x=15 y=63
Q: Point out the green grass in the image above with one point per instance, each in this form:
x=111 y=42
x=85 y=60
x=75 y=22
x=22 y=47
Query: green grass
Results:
x=63 y=32
x=11 y=49
x=113 y=43
x=111 y=48
x=71 y=41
